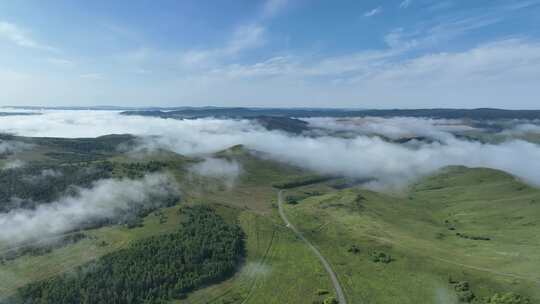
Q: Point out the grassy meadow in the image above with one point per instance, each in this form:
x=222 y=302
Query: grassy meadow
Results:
x=419 y=228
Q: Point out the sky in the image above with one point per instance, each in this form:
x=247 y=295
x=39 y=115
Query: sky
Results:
x=271 y=53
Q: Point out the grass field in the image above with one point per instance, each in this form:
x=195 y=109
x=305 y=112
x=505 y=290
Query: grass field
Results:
x=253 y=188
x=278 y=269
x=415 y=230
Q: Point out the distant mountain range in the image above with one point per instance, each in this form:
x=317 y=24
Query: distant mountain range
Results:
x=477 y=114
x=17 y=113
x=247 y=112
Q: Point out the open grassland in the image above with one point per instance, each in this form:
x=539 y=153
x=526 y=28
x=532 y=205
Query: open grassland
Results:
x=419 y=232
x=278 y=269
x=251 y=190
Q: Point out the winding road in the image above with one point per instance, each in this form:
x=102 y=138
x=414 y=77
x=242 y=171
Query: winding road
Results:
x=339 y=291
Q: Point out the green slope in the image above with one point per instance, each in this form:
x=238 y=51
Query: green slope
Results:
x=419 y=231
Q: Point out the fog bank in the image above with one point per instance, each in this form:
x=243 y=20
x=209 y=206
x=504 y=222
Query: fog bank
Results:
x=358 y=156
x=225 y=170
x=106 y=199
x=392 y=128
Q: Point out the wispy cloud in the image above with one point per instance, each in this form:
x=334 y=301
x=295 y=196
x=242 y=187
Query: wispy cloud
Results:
x=517 y=5
x=377 y=78
x=373 y=12
x=405 y=3
x=20 y=37
x=296 y=73
x=273 y=7
x=243 y=38
x=444 y=30
x=441 y=5
x=368 y=62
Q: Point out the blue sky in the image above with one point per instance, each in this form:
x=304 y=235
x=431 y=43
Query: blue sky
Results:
x=365 y=54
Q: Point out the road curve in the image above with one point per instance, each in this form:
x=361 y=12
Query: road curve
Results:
x=339 y=291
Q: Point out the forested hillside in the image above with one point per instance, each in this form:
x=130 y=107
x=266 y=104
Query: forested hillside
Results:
x=34 y=184
x=205 y=249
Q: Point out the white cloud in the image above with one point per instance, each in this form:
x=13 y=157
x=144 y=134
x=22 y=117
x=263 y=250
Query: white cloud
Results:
x=243 y=38
x=399 y=42
x=107 y=199
x=373 y=12
x=483 y=64
x=441 y=5
x=358 y=156
x=226 y=73
x=273 y=7
x=520 y=4
x=523 y=129
x=384 y=78
x=13 y=147
x=225 y=170
x=405 y=3
x=394 y=128
x=20 y=37
x=44 y=174
x=420 y=77
x=12 y=164
x=443 y=31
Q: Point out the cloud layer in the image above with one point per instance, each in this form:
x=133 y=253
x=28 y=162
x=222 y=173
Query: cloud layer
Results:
x=12 y=147
x=20 y=37
x=106 y=200
x=418 y=65
x=225 y=170
x=357 y=156
x=393 y=128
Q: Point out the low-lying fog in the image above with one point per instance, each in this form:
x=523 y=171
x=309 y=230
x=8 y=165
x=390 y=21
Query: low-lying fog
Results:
x=393 y=128
x=105 y=200
x=359 y=154
x=226 y=170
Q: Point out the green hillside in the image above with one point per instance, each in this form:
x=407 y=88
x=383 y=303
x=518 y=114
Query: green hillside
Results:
x=460 y=233
x=473 y=225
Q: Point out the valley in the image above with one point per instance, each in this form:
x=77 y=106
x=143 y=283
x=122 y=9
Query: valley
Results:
x=420 y=230
x=76 y=207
